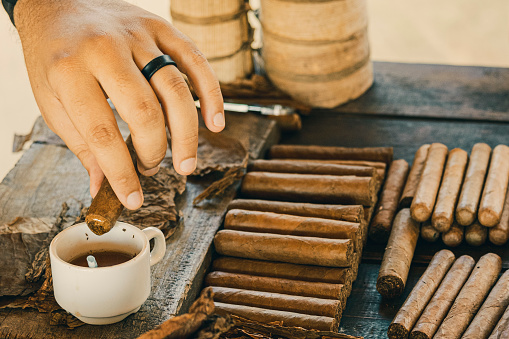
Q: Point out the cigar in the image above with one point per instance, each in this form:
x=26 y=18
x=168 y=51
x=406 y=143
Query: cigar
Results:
x=413 y=177
x=454 y=236
x=268 y=222
x=309 y=188
x=311 y=322
x=380 y=228
x=426 y=193
x=501 y=331
x=353 y=213
x=491 y=310
x=276 y=285
x=105 y=208
x=421 y=294
x=495 y=187
x=476 y=234
x=277 y=301
x=466 y=211
x=381 y=154
x=379 y=166
x=285 y=248
x=470 y=297
x=437 y=308
x=500 y=233
x=398 y=255
x=333 y=275
x=443 y=215
x=309 y=167
x=428 y=232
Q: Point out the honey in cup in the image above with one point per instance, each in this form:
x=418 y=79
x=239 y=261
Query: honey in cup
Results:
x=103 y=258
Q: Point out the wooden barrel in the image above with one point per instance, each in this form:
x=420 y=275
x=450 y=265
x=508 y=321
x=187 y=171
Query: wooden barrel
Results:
x=221 y=31
x=317 y=50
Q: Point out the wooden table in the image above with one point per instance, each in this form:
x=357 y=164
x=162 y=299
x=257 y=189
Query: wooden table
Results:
x=408 y=105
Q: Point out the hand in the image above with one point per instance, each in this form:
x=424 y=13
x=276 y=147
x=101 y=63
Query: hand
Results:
x=78 y=52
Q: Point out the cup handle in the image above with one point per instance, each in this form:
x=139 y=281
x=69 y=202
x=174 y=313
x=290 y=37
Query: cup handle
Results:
x=159 y=249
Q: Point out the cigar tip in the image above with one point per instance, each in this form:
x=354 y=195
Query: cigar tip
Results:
x=98 y=224
x=488 y=217
x=397 y=331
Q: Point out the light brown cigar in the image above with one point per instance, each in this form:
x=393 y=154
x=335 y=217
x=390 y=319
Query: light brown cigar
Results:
x=333 y=275
x=420 y=295
x=285 y=248
x=353 y=213
x=500 y=233
x=398 y=255
x=309 y=167
x=428 y=232
x=470 y=297
x=268 y=222
x=501 y=331
x=413 y=177
x=466 y=210
x=380 y=166
x=454 y=236
x=437 y=308
x=276 y=285
x=426 y=193
x=277 y=301
x=311 y=322
x=380 y=228
x=476 y=234
x=443 y=214
x=495 y=187
x=382 y=154
x=491 y=310
x=309 y=188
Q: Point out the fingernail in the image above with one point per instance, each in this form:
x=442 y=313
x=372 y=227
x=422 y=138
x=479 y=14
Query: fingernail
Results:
x=188 y=165
x=149 y=172
x=218 y=120
x=134 y=200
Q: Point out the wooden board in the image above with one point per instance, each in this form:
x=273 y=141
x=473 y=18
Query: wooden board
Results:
x=48 y=175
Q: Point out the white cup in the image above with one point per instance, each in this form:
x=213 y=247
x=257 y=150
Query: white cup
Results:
x=104 y=295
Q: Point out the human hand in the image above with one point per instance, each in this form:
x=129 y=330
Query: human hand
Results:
x=78 y=52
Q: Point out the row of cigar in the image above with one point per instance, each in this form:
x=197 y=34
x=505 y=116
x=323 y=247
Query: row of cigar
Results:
x=456 y=298
x=291 y=247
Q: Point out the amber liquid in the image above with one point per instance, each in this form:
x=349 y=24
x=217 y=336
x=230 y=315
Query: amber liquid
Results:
x=104 y=259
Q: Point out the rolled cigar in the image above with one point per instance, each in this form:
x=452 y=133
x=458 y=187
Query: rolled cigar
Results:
x=443 y=214
x=376 y=164
x=105 y=208
x=437 y=308
x=466 y=210
x=500 y=232
x=454 y=236
x=382 y=154
x=426 y=193
x=309 y=167
x=277 y=301
x=309 y=188
x=285 y=248
x=276 y=285
x=268 y=222
x=491 y=310
x=413 y=177
x=311 y=322
x=470 y=297
x=353 y=213
x=495 y=187
x=476 y=234
x=428 y=232
x=333 y=275
x=398 y=255
x=380 y=228
x=420 y=295
x=501 y=331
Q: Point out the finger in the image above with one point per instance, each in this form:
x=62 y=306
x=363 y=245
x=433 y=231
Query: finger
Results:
x=194 y=64
x=89 y=112
x=138 y=105
x=179 y=109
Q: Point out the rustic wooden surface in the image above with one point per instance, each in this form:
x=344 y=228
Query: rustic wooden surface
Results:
x=48 y=175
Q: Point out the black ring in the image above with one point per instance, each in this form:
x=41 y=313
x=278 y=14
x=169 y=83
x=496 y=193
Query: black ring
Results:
x=156 y=64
